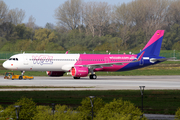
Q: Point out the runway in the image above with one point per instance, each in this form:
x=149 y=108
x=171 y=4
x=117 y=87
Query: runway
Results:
x=101 y=83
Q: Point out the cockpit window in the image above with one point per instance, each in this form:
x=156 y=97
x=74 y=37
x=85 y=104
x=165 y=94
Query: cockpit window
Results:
x=15 y=59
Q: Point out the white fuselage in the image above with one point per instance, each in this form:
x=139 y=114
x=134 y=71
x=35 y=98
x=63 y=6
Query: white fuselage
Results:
x=41 y=62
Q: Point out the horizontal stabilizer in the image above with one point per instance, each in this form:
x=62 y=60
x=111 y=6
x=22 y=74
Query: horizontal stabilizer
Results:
x=153 y=60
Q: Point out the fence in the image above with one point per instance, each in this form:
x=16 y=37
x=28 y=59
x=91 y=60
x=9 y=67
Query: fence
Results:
x=170 y=55
x=6 y=55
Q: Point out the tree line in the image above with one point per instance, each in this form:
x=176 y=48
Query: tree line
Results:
x=27 y=109
x=97 y=26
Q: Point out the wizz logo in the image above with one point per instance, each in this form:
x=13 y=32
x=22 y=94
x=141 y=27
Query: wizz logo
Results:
x=42 y=59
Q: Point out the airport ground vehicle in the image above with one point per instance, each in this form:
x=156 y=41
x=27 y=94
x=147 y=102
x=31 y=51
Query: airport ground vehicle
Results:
x=10 y=75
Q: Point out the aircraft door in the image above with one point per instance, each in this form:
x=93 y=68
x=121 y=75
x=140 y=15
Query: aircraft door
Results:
x=141 y=62
x=79 y=60
x=25 y=60
x=106 y=60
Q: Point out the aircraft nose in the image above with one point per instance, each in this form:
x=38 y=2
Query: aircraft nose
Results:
x=9 y=65
x=5 y=64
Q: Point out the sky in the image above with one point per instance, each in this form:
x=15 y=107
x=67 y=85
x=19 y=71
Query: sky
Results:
x=43 y=10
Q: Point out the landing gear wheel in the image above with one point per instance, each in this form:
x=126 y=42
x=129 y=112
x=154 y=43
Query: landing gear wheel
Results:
x=92 y=76
x=76 y=77
x=20 y=77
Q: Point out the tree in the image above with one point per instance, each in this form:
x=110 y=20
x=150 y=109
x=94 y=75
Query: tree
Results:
x=174 y=12
x=119 y=110
x=32 y=26
x=27 y=110
x=96 y=17
x=3 y=14
x=3 y=11
x=7 y=113
x=171 y=37
x=50 y=26
x=31 y=22
x=2 y=41
x=65 y=113
x=15 y=16
x=69 y=14
x=78 y=48
x=146 y=16
x=85 y=108
x=177 y=114
x=45 y=35
x=46 y=40
x=43 y=113
x=60 y=113
x=121 y=18
x=1 y=108
x=10 y=34
x=23 y=32
x=10 y=20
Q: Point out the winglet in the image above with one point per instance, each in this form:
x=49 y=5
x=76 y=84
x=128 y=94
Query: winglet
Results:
x=66 y=52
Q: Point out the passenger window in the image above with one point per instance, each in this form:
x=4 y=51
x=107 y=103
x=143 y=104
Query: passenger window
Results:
x=17 y=59
x=13 y=58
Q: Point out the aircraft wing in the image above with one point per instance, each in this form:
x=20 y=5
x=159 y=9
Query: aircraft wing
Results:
x=100 y=65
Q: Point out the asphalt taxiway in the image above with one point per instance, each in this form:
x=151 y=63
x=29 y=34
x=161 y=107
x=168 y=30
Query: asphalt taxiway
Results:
x=101 y=83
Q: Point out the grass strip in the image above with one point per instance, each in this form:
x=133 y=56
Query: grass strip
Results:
x=16 y=87
x=155 y=101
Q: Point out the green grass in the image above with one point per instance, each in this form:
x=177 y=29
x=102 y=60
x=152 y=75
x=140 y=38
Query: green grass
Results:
x=155 y=101
x=16 y=87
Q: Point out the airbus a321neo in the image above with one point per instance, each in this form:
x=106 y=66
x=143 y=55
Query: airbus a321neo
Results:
x=82 y=65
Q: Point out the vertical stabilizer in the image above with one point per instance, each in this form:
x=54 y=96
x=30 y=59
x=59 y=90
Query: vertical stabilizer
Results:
x=153 y=47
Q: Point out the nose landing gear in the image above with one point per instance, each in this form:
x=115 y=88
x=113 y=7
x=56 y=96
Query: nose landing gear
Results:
x=21 y=76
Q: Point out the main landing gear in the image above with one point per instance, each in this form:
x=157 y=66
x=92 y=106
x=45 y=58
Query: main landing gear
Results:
x=92 y=73
x=92 y=76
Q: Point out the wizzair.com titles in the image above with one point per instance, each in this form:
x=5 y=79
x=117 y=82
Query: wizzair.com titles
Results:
x=42 y=59
x=132 y=57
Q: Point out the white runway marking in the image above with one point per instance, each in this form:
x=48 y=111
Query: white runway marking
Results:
x=101 y=83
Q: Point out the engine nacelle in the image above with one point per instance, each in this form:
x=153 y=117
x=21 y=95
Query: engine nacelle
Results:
x=55 y=73
x=79 y=71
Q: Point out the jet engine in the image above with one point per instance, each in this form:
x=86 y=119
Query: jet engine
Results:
x=55 y=73
x=79 y=71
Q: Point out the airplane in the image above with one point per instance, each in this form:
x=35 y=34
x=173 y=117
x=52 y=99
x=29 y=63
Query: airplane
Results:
x=82 y=65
